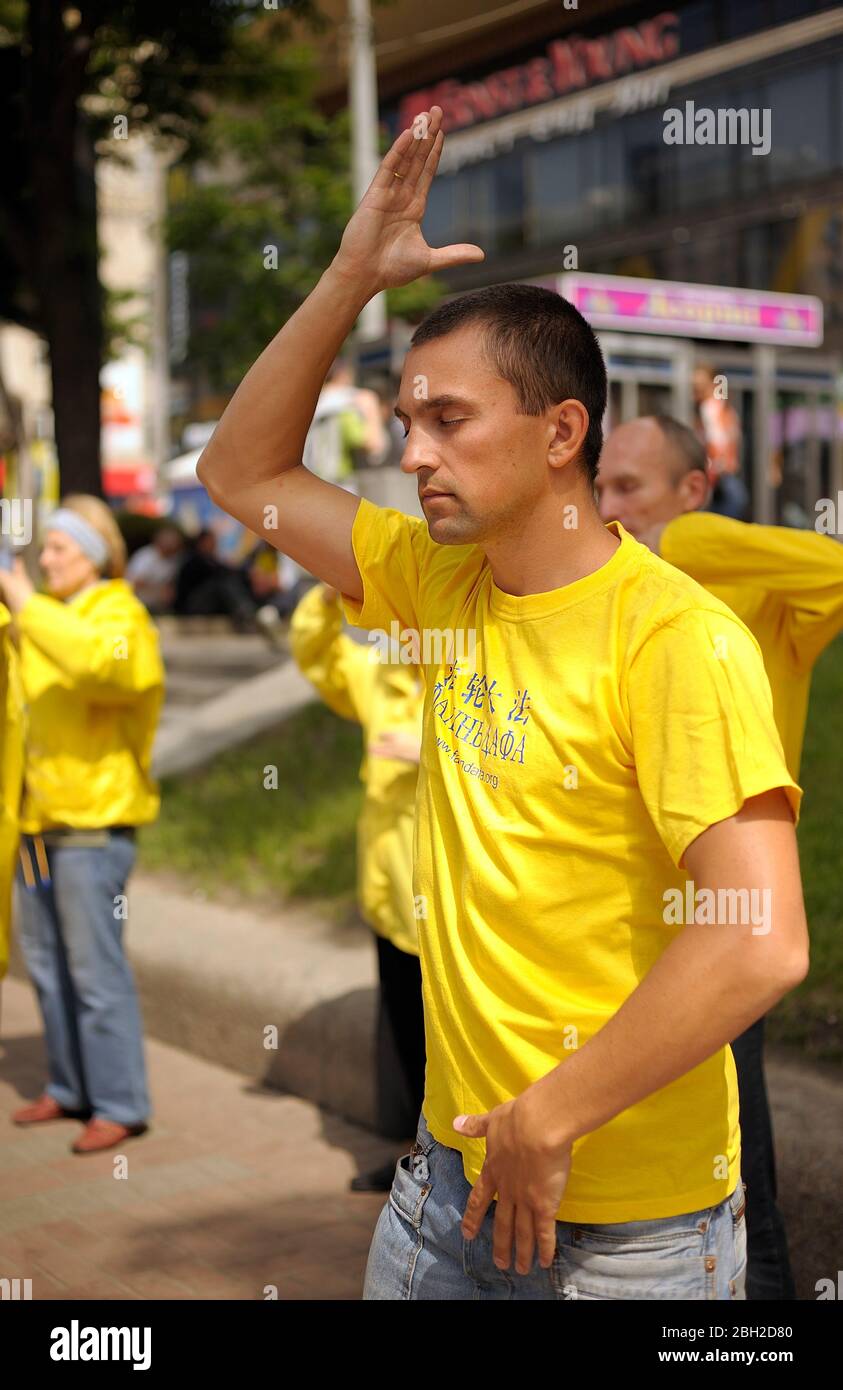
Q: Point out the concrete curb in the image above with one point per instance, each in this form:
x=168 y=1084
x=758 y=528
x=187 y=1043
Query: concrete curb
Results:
x=246 y=709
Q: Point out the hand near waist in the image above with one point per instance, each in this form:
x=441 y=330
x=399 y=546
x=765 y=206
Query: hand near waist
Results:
x=528 y=1172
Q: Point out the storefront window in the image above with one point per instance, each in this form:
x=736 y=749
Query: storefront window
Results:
x=554 y=192
x=621 y=173
x=475 y=219
x=508 y=174
x=801 y=123
x=440 y=216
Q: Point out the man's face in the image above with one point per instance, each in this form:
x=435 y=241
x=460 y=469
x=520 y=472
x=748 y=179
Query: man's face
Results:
x=637 y=483
x=479 y=464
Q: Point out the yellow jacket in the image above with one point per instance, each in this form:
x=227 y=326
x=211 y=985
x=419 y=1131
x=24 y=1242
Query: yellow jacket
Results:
x=94 y=683
x=381 y=696
x=11 y=773
x=786 y=585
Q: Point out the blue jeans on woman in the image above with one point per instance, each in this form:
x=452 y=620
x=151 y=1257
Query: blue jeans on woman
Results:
x=418 y=1250
x=71 y=933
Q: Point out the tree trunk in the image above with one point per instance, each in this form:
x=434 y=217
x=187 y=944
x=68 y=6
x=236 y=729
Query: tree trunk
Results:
x=65 y=216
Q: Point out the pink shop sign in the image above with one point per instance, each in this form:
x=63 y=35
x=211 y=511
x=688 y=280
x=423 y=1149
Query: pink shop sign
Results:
x=695 y=311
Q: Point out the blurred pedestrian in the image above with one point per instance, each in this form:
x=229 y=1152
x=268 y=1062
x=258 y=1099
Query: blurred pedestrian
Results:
x=394 y=439
x=347 y=429
x=787 y=587
x=153 y=568
x=11 y=774
x=208 y=587
x=93 y=681
x=719 y=429
x=385 y=697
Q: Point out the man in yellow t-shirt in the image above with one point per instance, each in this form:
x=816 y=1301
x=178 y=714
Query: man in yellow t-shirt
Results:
x=605 y=856
x=787 y=587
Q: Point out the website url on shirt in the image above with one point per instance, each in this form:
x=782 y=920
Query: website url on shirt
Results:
x=470 y=769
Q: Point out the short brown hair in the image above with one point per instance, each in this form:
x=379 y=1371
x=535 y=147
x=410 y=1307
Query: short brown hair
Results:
x=540 y=344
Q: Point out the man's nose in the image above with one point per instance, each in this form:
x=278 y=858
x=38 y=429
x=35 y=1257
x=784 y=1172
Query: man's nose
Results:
x=415 y=456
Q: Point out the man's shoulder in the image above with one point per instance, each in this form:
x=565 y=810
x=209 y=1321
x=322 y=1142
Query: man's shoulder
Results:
x=661 y=599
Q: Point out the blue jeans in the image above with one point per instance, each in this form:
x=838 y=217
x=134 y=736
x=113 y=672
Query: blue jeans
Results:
x=418 y=1251
x=71 y=935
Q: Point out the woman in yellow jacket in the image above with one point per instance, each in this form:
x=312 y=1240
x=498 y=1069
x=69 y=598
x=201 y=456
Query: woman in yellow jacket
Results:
x=93 y=681
x=11 y=772
x=386 y=698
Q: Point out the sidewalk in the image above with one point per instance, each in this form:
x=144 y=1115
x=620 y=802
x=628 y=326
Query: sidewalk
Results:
x=233 y=1188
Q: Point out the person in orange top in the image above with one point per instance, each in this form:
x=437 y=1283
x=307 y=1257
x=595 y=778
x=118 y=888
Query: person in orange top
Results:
x=719 y=429
x=787 y=587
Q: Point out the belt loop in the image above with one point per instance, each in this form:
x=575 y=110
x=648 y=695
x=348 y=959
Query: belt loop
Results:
x=26 y=866
x=34 y=862
x=42 y=860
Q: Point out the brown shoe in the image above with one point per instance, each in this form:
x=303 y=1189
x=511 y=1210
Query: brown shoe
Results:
x=45 y=1108
x=104 y=1134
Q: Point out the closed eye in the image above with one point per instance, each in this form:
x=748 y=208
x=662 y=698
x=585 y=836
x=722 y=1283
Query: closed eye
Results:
x=456 y=421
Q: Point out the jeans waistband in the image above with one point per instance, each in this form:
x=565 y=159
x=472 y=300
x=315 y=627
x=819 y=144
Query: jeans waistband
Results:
x=67 y=836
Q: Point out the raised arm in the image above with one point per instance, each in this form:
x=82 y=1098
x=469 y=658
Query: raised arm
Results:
x=802 y=569
x=252 y=466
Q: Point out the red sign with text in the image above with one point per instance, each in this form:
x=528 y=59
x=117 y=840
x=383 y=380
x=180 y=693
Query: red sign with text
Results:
x=571 y=65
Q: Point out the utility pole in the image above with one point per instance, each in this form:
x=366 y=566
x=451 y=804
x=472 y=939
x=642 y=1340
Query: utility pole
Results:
x=365 y=154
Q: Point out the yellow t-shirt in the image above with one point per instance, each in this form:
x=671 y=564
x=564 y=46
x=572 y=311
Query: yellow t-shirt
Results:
x=599 y=729
x=786 y=585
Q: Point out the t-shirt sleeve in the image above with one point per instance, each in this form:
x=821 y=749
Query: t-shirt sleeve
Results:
x=799 y=570
x=393 y=554
x=701 y=715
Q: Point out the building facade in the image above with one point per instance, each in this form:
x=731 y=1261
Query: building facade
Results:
x=563 y=156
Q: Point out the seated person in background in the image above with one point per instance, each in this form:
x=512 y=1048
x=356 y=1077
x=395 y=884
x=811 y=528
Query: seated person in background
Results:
x=152 y=570
x=206 y=586
x=386 y=698
x=787 y=587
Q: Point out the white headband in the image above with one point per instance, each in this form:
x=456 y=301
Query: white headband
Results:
x=82 y=532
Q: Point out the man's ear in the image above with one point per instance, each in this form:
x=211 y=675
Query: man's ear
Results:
x=693 y=489
x=571 y=421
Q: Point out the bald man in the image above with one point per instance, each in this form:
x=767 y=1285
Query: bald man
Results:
x=787 y=587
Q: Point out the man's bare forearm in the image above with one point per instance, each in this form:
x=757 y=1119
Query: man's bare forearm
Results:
x=263 y=429
x=690 y=1004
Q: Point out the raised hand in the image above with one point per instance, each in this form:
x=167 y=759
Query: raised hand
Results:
x=383 y=246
